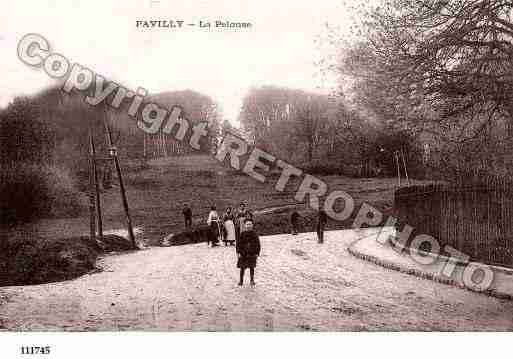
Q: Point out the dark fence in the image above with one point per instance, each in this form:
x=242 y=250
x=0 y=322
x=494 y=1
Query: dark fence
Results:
x=476 y=219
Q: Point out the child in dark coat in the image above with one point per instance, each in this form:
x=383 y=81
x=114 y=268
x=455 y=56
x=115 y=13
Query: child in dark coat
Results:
x=248 y=249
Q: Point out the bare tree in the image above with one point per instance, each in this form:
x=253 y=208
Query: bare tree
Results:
x=310 y=122
x=452 y=57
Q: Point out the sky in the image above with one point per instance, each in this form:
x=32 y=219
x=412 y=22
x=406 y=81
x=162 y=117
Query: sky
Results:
x=279 y=49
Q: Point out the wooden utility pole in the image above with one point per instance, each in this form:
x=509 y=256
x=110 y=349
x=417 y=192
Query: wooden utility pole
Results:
x=144 y=145
x=96 y=186
x=90 y=194
x=405 y=169
x=113 y=153
x=396 y=157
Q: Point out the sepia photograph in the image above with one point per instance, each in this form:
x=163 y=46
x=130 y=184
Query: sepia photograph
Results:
x=255 y=166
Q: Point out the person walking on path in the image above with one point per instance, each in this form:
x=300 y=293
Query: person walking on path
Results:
x=213 y=223
x=248 y=249
x=322 y=218
x=294 y=221
x=187 y=216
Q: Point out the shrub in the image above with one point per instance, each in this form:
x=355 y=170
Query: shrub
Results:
x=24 y=137
x=27 y=259
x=29 y=191
x=61 y=193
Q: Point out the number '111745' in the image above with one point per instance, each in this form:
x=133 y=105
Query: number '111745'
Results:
x=33 y=350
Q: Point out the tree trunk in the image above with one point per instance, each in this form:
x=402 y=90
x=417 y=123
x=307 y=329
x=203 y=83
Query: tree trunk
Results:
x=310 y=151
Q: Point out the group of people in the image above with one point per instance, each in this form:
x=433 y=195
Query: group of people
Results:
x=235 y=227
x=230 y=226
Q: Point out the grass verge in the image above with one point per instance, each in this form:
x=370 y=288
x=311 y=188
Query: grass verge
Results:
x=29 y=259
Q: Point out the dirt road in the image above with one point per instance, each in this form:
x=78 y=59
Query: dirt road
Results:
x=301 y=285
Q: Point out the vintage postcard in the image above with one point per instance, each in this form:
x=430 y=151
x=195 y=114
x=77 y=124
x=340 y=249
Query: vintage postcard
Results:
x=227 y=166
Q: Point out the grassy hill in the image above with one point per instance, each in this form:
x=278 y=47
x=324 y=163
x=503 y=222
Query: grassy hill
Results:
x=157 y=191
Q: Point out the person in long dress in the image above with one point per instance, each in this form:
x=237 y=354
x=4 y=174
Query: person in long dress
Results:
x=213 y=223
x=229 y=227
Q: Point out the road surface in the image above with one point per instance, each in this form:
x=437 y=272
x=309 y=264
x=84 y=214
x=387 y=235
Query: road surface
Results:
x=301 y=285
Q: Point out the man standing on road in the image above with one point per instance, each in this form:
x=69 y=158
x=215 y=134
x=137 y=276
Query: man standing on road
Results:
x=322 y=218
x=248 y=249
x=187 y=216
x=294 y=220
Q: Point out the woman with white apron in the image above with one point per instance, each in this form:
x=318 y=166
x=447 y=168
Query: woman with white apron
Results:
x=229 y=226
x=213 y=223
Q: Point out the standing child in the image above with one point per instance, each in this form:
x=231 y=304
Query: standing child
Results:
x=248 y=249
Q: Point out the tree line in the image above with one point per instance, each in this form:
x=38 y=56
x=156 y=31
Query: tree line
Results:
x=440 y=70
x=44 y=141
x=431 y=79
x=321 y=133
